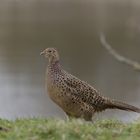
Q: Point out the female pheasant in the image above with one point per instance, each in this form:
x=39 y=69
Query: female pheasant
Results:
x=76 y=97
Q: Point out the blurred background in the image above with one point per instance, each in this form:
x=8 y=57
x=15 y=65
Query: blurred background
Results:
x=72 y=26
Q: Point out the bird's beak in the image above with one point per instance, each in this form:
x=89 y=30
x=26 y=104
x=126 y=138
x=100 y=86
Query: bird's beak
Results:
x=43 y=52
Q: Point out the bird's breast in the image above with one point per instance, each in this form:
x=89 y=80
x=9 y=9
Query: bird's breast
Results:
x=52 y=88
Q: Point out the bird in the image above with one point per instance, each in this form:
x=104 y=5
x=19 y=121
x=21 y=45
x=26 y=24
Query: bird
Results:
x=75 y=97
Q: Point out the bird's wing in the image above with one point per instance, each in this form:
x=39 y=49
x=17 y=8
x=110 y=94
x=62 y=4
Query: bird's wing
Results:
x=85 y=92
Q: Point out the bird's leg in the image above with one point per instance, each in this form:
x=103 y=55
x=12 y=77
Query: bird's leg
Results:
x=87 y=116
x=68 y=116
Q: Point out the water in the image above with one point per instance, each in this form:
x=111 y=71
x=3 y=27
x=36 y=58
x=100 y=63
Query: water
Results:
x=26 y=28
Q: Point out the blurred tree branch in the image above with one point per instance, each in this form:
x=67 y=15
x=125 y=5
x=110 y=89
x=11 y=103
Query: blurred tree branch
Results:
x=117 y=56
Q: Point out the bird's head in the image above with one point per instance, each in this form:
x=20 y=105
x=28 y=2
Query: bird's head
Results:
x=51 y=54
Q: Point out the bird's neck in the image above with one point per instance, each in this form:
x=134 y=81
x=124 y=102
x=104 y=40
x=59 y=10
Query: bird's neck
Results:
x=53 y=60
x=54 y=65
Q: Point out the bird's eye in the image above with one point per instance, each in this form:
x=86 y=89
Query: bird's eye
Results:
x=49 y=51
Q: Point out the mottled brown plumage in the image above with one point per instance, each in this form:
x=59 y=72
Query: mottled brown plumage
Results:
x=76 y=97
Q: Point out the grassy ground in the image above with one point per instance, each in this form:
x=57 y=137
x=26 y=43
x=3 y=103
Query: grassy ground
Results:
x=51 y=129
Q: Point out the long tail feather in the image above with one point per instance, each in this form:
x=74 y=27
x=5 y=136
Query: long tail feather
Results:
x=122 y=106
